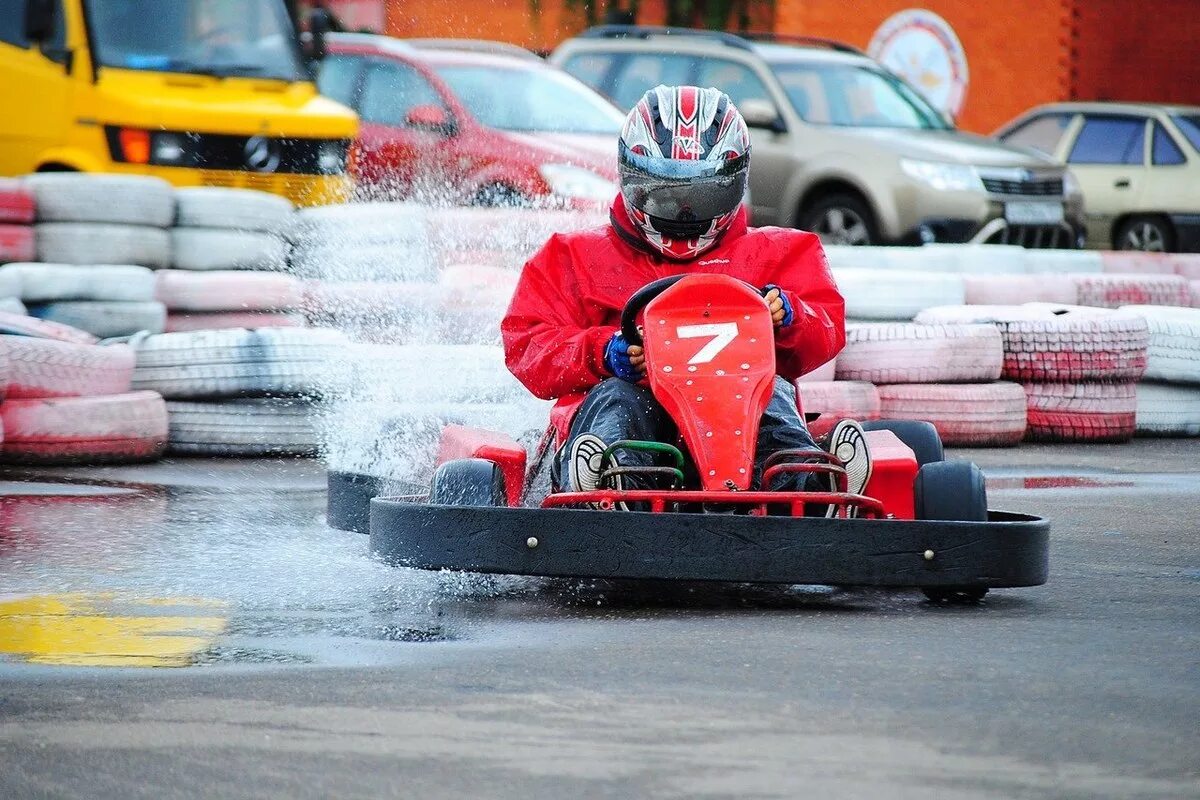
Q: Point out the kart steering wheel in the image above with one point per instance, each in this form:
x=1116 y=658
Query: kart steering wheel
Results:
x=642 y=297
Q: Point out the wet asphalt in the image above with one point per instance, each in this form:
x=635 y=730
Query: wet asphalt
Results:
x=303 y=668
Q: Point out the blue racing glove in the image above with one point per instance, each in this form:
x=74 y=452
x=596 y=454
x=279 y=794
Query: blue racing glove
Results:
x=616 y=359
x=788 y=315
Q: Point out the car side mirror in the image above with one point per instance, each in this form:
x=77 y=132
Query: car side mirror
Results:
x=40 y=18
x=762 y=114
x=429 y=117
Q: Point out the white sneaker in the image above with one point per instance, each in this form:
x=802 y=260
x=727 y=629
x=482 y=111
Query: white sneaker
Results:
x=848 y=442
x=587 y=454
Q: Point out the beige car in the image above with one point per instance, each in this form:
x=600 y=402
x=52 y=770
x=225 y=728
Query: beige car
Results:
x=1138 y=165
x=842 y=146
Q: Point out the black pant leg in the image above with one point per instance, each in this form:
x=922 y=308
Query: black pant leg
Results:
x=782 y=428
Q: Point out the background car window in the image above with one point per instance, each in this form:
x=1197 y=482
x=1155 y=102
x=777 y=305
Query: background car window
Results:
x=339 y=79
x=736 y=80
x=807 y=95
x=1164 y=152
x=390 y=91
x=1110 y=140
x=591 y=68
x=639 y=73
x=1189 y=126
x=531 y=100
x=854 y=96
x=1043 y=133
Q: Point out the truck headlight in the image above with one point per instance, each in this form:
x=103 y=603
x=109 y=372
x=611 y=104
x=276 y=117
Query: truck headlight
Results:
x=331 y=158
x=167 y=148
x=567 y=180
x=944 y=177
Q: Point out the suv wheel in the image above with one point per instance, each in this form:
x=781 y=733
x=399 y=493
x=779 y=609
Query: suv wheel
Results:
x=1152 y=234
x=840 y=219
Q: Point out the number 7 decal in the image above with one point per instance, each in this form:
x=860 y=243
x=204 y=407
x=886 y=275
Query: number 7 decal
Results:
x=722 y=334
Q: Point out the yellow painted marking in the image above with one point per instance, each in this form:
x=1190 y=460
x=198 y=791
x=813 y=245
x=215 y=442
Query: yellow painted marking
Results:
x=104 y=630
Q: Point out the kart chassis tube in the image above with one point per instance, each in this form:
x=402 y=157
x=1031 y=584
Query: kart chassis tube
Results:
x=1007 y=550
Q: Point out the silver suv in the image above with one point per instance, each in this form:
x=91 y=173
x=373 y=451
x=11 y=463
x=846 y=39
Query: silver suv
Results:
x=842 y=146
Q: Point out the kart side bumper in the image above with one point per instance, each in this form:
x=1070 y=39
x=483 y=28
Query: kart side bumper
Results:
x=1008 y=550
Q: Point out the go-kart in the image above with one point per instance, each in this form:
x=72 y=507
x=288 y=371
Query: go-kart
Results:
x=921 y=521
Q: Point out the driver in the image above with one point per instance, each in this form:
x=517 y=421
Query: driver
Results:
x=684 y=156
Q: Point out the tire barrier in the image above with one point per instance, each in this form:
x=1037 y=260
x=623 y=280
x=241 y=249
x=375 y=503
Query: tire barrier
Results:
x=119 y=428
x=16 y=202
x=1174 y=349
x=231 y=209
x=835 y=400
x=243 y=428
x=894 y=294
x=17 y=243
x=51 y=283
x=1081 y=412
x=1112 y=291
x=971 y=415
x=224 y=290
x=178 y=322
x=44 y=368
x=219 y=249
x=101 y=243
x=105 y=318
x=1168 y=410
x=910 y=353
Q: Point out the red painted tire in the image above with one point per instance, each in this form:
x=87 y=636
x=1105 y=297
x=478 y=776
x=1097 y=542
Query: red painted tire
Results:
x=986 y=290
x=16 y=202
x=16 y=243
x=1113 y=291
x=1059 y=344
x=1133 y=262
x=219 y=320
x=966 y=414
x=908 y=353
x=1081 y=412
x=118 y=428
x=1194 y=287
x=835 y=400
x=223 y=290
x=25 y=325
x=41 y=368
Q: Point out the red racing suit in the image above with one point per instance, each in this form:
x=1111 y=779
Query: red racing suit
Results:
x=568 y=301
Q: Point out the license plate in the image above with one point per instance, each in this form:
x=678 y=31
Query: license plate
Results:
x=1033 y=213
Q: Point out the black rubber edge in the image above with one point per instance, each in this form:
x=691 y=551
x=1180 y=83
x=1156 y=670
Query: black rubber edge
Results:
x=348 y=504
x=1009 y=549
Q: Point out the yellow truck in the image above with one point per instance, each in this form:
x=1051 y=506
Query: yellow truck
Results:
x=199 y=92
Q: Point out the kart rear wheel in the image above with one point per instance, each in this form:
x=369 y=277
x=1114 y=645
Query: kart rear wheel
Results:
x=921 y=437
x=468 y=482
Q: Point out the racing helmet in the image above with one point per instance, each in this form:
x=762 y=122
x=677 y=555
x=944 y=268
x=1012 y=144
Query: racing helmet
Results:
x=683 y=157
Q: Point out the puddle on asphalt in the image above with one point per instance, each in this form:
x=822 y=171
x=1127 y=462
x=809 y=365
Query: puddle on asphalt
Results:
x=1058 y=482
x=102 y=576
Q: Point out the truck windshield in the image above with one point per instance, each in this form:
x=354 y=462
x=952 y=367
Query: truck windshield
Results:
x=531 y=100
x=852 y=96
x=225 y=38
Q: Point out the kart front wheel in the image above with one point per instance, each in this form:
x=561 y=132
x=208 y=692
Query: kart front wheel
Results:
x=468 y=482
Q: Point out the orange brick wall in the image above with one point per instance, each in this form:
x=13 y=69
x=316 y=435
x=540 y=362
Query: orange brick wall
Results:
x=1129 y=50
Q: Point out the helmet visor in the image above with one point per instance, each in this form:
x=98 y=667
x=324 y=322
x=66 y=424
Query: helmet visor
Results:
x=680 y=190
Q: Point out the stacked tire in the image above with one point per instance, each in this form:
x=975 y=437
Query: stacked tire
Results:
x=1078 y=366
x=947 y=375
x=16 y=218
x=1168 y=398
x=68 y=400
x=240 y=392
x=106 y=300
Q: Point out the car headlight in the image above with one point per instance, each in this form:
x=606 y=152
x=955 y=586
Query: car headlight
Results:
x=574 y=182
x=943 y=176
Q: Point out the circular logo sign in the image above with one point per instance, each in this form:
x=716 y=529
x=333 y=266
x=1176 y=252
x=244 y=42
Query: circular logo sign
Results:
x=922 y=48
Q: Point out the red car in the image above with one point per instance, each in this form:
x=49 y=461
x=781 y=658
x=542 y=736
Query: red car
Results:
x=471 y=122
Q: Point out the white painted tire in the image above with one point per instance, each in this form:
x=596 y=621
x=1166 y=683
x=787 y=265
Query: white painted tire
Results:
x=1167 y=410
x=1059 y=344
x=1174 y=351
x=245 y=428
x=835 y=400
x=89 y=197
x=910 y=353
x=105 y=318
x=842 y=256
x=178 y=322
x=11 y=305
x=219 y=249
x=239 y=363
x=10 y=281
x=517 y=230
x=235 y=209
x=1081 y=412
x=1186 y=265
x=92 y=243
x=358 y=225
x=120 y=428
x=1135 y=262
x=1017 y=289
x=40 y=368
x=1062 y=262
x=825 y=373
x=894 y=294
x=50 y=283
x=968 y=415
x=991 y=259
x=1113 y=291
x=24 y=325
x=227 y=290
